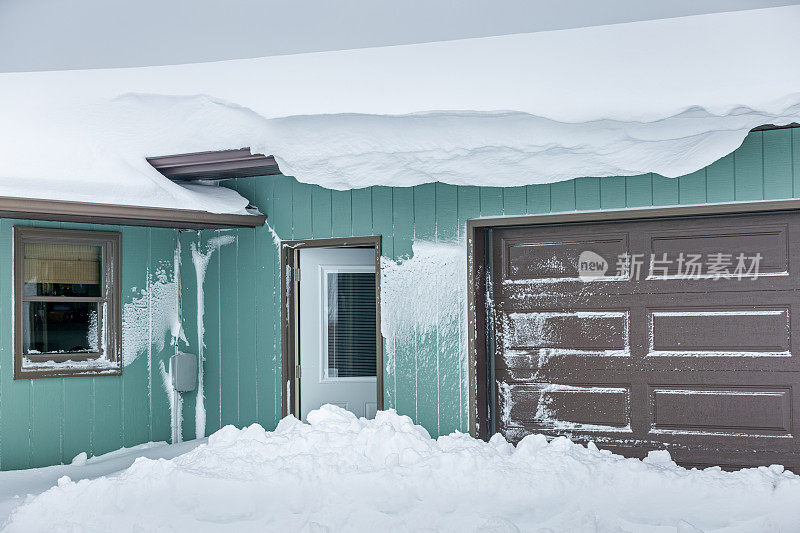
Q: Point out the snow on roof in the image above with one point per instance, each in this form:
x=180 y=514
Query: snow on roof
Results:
x=667 y=96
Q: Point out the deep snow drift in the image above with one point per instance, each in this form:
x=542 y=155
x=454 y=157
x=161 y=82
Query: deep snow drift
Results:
x=16 y=484
x=345 y=474
x=667 y=96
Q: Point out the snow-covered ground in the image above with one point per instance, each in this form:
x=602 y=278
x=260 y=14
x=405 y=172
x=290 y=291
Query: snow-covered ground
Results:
x=339 y=473
x=16 y=484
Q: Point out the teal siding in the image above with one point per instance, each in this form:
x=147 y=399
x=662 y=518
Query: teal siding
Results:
x=426 y=377
x=48 y=421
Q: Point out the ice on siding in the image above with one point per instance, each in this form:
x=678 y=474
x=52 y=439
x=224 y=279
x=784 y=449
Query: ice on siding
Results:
x=94 y=365
x=168 y=314
x=339 y=473
x=175 y=404
x=200 y=258
x=149 y=318
x=425 y=295
x=275 y=239
x=666 y=96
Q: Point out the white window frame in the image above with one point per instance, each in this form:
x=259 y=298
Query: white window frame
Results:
x=324 y=270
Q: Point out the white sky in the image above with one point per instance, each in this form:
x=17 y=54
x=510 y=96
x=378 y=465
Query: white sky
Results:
x=73 y=34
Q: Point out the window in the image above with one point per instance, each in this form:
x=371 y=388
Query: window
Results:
x=66 y=303
x=350 y=329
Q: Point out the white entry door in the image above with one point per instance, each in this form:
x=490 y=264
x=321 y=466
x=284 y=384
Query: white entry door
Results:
x=338 y=336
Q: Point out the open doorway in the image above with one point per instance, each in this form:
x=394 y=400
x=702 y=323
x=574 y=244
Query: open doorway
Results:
x=331 y=342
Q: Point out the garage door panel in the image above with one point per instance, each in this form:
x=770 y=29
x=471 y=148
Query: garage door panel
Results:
x=768 y=243
x=724 y=331
x=556 y=406
x=736 y=331
x=553 y=256
x=579 y=296
x=693 y=455
x=517 y=295
x=516 y=366
x=571 y=331
x=707 y=368
x=723 y=411
x=728 y=418
x=541 y=342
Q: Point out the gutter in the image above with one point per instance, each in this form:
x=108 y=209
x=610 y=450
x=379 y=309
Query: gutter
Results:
x=126 y=215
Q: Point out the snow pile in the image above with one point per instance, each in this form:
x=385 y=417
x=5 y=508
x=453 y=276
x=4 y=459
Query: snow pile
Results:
x=667 y=96
x=345 y=474
x=16 y=484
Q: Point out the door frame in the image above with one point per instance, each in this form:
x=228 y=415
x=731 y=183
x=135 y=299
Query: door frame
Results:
x=290 y=305
x=478 y=283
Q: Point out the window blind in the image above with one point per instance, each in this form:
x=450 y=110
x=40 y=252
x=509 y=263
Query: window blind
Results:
x=351 y=325
x=62 y=263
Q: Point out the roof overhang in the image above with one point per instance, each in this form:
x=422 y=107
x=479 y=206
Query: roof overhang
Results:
x=219 y=165
x=127 y=215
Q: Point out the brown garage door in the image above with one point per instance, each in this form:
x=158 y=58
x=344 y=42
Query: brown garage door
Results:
x=703 y=361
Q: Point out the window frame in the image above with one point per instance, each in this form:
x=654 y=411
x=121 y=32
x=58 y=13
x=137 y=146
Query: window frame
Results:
x=110 y=295
x=324 y=270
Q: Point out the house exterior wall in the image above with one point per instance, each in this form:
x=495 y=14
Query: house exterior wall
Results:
x=49 y=421
x=425 y=378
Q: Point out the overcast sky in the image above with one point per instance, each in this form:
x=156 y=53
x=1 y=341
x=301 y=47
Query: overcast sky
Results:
x=80 y=34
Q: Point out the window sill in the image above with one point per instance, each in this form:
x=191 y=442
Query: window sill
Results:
x=30 y=369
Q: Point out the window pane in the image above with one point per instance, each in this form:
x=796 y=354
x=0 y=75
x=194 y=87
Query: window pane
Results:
x=62 y=269
x=351 y=325
x=59 y=327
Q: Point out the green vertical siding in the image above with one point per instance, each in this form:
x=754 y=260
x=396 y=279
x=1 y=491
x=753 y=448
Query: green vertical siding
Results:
x=587 y=193
x=48 y=421
x=425 y=379
x=161 y=253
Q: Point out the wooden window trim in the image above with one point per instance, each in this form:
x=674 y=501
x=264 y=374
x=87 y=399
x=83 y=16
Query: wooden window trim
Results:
x=110 y=244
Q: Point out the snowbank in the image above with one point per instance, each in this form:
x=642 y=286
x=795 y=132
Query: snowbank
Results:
x=339 y=473
x=16 y=484
x=667 y=96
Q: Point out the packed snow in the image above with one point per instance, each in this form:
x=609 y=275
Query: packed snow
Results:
x=340 y=473
x=424 y=297
x=667 y=96
x=200 y=259
x=15 y=485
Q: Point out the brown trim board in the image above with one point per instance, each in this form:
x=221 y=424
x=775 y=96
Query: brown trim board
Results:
x=477 y=282
x=111 y=294
x=126 y=215
x=290 y=301
x=217 y=165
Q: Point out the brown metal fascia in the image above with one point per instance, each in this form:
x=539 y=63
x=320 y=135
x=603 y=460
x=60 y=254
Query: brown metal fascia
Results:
x=614 y=215
x=223 y=164
x=127 y=215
